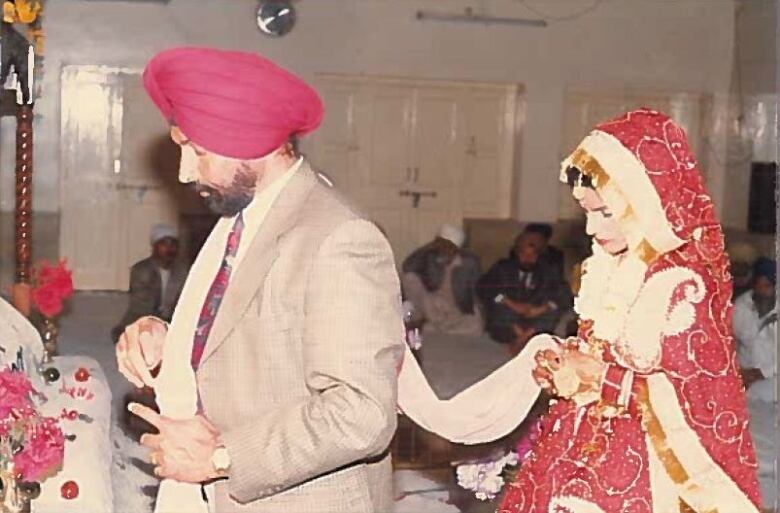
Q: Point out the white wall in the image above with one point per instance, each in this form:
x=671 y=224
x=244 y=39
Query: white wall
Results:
x=681 y=45
x=754 y=100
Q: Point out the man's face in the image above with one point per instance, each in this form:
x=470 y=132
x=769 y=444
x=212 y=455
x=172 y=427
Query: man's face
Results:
x=446 y=247
x=537 y=240
x=165 y=251
x=527 y=253
x=763 y=288
x=227 y=185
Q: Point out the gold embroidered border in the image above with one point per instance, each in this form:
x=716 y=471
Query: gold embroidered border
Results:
x=666 y=455
x=588 y=165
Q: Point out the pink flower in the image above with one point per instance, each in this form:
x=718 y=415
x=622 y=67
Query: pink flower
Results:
x=526 y=444
x=53 y=285
x=43 y=451
x=15 y=392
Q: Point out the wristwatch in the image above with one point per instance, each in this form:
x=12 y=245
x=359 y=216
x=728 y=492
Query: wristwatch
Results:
x=220 y=459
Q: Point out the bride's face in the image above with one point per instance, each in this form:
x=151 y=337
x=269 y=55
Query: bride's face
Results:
x=600 y=223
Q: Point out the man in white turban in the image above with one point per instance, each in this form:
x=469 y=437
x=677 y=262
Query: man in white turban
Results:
x=439 y=279
x=155 y=281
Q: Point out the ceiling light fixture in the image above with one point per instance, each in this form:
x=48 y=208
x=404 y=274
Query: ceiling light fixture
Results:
x=469 y=17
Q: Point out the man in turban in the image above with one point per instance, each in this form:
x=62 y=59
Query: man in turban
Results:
x=755 y=328
x=155 y=281
x=277 y=374
x=440 y=279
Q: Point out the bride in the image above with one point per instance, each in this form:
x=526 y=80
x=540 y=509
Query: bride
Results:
x=650 y=413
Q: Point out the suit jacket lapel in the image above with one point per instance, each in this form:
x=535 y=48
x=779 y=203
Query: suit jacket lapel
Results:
x=249 y=277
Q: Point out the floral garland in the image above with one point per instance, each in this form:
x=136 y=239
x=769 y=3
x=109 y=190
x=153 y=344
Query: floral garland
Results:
x=609 y=287
x=31 y=446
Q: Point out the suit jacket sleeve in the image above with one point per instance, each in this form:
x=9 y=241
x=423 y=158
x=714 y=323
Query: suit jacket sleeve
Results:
x=352 y=345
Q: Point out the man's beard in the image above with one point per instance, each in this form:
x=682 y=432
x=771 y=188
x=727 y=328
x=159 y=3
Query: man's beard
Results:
x=227 y=203
x=232 y=200
x=526 y=266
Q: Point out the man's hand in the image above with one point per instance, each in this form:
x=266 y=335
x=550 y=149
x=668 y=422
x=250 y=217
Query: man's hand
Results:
x=183 y=448
x=518 y=307
x=537 y=311
x=139 y=350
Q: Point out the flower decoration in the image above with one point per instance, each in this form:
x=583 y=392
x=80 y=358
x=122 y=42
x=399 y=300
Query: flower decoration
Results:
x=53 y=285
x=484 y=477
x=34 y=446
x=528 y=442
x=43 y=451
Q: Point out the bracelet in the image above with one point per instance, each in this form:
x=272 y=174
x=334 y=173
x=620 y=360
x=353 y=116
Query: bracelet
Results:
x=612 y=381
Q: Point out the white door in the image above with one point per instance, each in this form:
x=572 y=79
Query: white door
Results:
x=118 y=175
x=335 y=145
x=437 y=165
x=146 y=174
x=384 y=128
x=416 y=154
x=488 y=130
x=90 y=209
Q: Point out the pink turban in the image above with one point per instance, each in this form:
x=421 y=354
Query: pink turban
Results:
x=235 y=104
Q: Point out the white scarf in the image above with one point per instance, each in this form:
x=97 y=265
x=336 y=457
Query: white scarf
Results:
x=175 y=386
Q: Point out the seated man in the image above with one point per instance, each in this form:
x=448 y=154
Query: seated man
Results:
x=156 y=281
x=755 y=328
x=742 y=256
x=522 y=295
x=540 y=234
x=439 y=279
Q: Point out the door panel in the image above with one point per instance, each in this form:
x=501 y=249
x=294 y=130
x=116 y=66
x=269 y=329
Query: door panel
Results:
x=335 y=144
x=90 y=211
x=118 y=175
x=149 y=190
x=388 y=127
x=484 y=141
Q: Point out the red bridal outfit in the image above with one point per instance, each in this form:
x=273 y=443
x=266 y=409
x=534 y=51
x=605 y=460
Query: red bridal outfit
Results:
x=668 y=430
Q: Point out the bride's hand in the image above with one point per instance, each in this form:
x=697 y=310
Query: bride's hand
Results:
x=589 y=368
x=567 y=371
x=548 y=361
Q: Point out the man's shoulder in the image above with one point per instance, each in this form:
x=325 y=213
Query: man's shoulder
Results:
x=326 y=206
x=145 y=265
x=744 y=301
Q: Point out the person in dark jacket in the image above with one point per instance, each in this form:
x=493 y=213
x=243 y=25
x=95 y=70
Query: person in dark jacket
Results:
x=155 y=281
x=440 y=280
x=522 y=295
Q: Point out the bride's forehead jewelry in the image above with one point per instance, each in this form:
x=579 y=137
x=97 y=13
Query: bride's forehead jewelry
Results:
x=578 y=181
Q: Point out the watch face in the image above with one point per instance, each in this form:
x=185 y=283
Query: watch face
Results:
x=221 y=459
x=276 y=17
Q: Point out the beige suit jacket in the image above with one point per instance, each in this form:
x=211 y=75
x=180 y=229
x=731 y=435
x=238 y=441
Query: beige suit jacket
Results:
x=299 y=372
